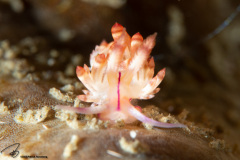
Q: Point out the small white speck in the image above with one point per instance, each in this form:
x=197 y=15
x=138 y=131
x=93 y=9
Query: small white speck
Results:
x=39 y=136
x=45 y=126
x=115 y=154
x=1 y=138
x=133 y=134
x=71 y=147
x=1 y=122
x=51 y=62
x=54 y=53
x=66 y=35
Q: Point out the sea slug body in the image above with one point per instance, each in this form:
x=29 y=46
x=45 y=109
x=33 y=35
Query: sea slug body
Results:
x=120 y=71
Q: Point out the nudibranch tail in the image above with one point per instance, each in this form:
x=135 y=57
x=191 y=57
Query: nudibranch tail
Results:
x=120 y=71
x=141 y=117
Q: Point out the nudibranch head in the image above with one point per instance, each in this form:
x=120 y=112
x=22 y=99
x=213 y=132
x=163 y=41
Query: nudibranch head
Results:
x=120 y=71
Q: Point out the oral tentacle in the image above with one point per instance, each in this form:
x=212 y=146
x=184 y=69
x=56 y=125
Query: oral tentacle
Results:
x=141 y=117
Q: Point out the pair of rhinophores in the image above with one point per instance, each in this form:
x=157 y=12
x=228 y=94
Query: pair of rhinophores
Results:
x=120 y=71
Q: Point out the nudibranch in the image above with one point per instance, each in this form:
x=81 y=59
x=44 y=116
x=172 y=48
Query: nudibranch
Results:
x=120 y=71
